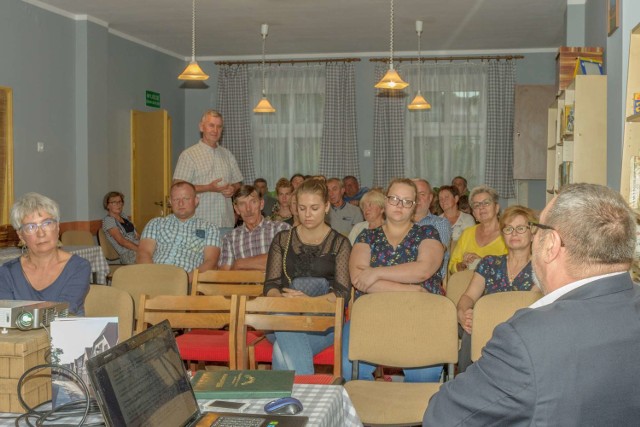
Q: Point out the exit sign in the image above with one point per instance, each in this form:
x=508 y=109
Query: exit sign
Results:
x=152 y=99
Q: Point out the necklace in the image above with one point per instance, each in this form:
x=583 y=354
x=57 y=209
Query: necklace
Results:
x=514 y=270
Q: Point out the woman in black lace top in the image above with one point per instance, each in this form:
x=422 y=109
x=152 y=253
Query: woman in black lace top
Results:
x=309 y=250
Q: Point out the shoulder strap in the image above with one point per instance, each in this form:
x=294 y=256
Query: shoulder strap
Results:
x=284 y=256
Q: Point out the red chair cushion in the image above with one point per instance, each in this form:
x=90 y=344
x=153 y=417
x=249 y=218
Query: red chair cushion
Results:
x=264 y=354
x=325 y=357
x=313 y=379
x=207 y=345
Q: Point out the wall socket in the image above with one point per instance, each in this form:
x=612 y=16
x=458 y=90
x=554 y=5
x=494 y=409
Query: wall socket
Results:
x=40 y=146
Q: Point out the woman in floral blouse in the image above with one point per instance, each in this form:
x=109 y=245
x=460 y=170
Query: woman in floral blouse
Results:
x=501 y=273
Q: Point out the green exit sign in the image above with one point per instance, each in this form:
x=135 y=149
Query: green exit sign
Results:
x=153 y=99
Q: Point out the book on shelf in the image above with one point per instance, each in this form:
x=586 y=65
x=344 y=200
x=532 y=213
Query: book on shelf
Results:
x=634 y=184
x=566 y=173
x=242 y=384
x=636 y=103
x=568 y=120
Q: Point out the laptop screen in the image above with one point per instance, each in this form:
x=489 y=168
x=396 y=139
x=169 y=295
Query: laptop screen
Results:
x=143 y=382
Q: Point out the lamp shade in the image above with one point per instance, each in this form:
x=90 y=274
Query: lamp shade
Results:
x=391 y=80
x=264 y=106
x=419 y=103
x=193 y=72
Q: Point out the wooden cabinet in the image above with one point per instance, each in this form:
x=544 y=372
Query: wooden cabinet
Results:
x=577 y=134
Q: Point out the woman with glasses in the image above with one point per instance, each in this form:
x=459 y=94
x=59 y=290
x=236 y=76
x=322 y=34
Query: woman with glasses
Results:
x=120 y=232
x=501 y=273
x=44 y=272
x=399 y=256
x=482 y=239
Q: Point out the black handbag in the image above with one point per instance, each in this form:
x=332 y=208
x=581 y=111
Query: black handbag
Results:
x=310 y=286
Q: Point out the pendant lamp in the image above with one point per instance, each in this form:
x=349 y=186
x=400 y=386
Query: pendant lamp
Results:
x=193 y=70
x=264 y=106
x=391 y=79
x=419 y=103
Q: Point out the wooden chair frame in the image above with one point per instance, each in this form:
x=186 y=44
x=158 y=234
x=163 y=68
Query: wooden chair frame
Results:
x=228 y=282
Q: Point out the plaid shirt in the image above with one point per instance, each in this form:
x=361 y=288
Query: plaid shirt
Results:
x=444 y=229
x=181 y=243
x=200 y=164
x=242 y=243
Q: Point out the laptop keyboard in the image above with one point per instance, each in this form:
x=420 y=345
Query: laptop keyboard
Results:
x=230 y=421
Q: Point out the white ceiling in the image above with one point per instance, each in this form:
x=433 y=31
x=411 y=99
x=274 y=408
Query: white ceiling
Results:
x=306 y=28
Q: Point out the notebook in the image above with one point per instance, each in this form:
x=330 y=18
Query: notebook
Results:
x=143 y=382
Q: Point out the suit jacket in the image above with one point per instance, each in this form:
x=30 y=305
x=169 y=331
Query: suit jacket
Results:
x=574 y=362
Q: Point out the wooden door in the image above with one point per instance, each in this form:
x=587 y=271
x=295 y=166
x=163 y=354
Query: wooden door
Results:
x=530 y=131
x=150 y=165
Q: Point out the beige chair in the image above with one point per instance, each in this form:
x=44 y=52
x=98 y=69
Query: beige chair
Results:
x=150 y=279
x=404 y=330
x=108 y=250
x=457 y=284
x=493 y=309
x=219 y=282
x=77 y=238
x=289 y=314
x=211 y=313
x=105 y=301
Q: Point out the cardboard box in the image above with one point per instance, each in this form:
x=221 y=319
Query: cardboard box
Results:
x=20 y=351
x=566 y=62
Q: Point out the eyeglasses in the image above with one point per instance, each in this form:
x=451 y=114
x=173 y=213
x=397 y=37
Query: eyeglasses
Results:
x=536 y=225
x=483 y=203
x=395 y=201
x=32 y=227
x=520 y=229
x=116 y=202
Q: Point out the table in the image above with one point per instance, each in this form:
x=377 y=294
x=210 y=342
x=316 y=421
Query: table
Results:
x=93 y=254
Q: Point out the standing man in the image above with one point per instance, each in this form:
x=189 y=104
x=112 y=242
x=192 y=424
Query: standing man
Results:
x=460 y=183
x=423 y=216
x=571 y=358
x=180 y=239
x=214 y=172
x=342 y=216
x=353 y=192
x=247 y=246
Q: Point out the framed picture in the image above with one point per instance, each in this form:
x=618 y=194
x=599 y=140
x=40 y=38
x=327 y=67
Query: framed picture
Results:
x=613 y=14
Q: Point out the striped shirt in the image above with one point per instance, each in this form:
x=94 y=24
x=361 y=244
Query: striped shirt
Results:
x=200 y=165
x=242 y=243
x=181 y=243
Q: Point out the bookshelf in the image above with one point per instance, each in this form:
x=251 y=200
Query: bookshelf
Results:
x=577 y=141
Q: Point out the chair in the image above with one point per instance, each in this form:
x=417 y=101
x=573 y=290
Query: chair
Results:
x=77 y=238
x=107 y=248
x=493 y=309
x=457 y=284
x=150 y=279
x=187 y=311
x=105 y=301
x=289 y=314
x=404 y=330
x=221 y=282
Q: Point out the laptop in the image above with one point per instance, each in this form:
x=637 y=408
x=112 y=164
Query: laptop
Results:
x=143 y=382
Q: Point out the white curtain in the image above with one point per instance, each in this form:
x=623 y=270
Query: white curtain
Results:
x=287 y=141
x=450 y=138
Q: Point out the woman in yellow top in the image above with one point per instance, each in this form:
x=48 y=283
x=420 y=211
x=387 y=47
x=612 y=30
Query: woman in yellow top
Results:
x=483 y=239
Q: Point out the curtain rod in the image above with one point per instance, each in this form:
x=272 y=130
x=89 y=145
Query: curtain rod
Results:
x=289 y=61
x=449 y=58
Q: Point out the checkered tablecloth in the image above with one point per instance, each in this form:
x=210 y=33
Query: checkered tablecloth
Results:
x=93 y=254
x=325 y=405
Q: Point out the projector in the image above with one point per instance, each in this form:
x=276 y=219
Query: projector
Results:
x=26 y=315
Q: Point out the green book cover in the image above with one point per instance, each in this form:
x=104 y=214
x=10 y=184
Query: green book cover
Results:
x=242 y=384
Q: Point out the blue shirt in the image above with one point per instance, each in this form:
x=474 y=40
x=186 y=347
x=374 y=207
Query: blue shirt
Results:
x=444 y=229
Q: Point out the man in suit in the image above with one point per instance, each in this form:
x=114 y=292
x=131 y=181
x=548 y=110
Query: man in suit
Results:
x=572 y=357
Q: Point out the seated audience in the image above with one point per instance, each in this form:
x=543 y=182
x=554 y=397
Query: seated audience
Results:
x=482 y=239
x=296 y=180
x=571 y=358
x=282 y=210
x=181 y=239
x=342 y=216
x=260 y=184
x=448 y=196
x=44 y=272
x=372 y=206
x=314 y=253
x=501 y=273
x=461 y=184
x=352 y=191
x=246 y=247
x=120 y=232
x=400 y=256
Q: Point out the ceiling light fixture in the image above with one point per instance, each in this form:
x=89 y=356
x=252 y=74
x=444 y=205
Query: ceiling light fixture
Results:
x=391 y=79
x=264 y=106
x=419 y=103
x=193 y=70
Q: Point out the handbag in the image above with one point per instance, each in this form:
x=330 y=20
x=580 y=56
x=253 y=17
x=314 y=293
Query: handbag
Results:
x=310 y=286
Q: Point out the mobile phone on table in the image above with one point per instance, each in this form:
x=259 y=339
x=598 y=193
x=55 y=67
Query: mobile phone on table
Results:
x=225 y=406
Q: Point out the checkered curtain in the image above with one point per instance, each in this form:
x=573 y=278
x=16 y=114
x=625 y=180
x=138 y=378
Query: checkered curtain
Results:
x=388 y=132
x=233 y=104
x=339 y=149
x=500 y=112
